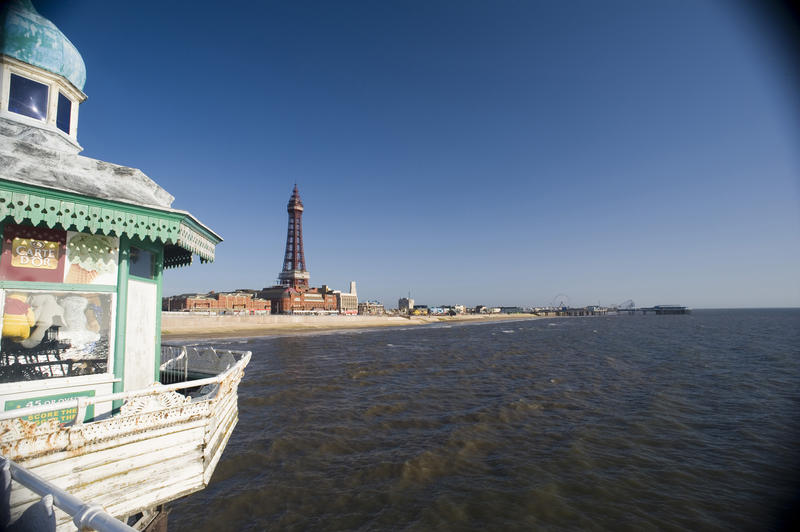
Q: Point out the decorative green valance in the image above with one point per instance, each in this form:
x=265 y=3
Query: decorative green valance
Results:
x=175 y=257
x=78 y=213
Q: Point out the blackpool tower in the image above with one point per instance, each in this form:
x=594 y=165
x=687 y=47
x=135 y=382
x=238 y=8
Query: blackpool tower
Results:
x=294 y=273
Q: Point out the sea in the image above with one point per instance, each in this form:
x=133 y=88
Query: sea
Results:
x=629 y=422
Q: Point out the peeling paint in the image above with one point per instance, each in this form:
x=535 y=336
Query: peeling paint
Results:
x=154 y=454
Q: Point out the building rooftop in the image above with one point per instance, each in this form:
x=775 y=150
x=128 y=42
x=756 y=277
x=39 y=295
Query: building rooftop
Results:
x=42 y=157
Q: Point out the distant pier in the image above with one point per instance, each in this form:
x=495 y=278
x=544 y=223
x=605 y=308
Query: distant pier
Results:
x=658 y=309
x=602 y=311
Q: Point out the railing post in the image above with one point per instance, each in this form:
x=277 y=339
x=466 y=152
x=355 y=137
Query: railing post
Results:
x=83 y=402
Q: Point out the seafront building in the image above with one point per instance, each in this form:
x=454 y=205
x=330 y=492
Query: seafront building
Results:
x=239 y=302
x=348 y=301
x=405 y=305
x=371 y=308
x=90 y=401
x=288 y=300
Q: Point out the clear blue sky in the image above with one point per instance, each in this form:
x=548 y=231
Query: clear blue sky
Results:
x=474 y=152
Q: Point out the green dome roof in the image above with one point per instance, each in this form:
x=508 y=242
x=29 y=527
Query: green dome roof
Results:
x=31 y=38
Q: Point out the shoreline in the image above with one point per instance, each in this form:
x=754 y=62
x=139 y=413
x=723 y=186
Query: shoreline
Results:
x=182 y=326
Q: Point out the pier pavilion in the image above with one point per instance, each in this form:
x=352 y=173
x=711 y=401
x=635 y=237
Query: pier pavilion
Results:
x=97 y=418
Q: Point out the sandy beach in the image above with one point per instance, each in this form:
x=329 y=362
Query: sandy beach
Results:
x=180 y=325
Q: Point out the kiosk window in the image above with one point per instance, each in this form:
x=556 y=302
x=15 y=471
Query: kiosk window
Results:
x=48 y=334
x=64 y=113
x=28 y=97
x=142 y=263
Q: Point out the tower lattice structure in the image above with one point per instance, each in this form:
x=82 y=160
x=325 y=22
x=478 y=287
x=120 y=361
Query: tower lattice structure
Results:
x=294 y=273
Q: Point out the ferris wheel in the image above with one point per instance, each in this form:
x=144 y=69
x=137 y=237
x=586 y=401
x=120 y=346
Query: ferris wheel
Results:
x=560 y=301
x=627 y=305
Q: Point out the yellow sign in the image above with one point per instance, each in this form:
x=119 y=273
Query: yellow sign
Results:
x=37 y=254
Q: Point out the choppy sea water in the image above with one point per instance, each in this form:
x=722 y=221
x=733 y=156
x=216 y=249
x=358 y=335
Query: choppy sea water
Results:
x=604 y=423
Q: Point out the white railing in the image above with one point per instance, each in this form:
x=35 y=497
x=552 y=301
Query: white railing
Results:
x=83 y=515
x=240 y=359
x=181 y=363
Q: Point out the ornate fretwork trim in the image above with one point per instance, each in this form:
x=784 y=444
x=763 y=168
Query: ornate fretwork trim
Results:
x=194 y=241
x=99 y=216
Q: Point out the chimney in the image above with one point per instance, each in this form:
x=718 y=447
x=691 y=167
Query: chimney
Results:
x=353 y=287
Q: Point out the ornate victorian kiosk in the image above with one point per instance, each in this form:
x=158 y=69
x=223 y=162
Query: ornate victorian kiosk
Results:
x=90 y=403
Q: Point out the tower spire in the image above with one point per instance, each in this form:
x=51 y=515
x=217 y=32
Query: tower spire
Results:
x=294 y=273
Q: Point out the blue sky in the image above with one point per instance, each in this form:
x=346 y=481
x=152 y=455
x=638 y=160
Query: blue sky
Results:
x=470 y=152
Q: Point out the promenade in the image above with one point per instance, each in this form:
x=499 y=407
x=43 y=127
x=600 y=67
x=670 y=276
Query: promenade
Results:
x=178 y=325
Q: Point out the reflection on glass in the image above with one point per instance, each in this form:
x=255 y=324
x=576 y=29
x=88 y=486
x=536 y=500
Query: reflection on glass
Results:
x=28 y=97
x=142 y=263
x=64 y=113
x=91 y=259
x=54 y=334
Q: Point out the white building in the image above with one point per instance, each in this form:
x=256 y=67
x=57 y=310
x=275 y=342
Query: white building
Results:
x=405 y=304
x=348 y=301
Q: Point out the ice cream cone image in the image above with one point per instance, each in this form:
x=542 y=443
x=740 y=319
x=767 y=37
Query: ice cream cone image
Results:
x=78 y=275
x=91 y=259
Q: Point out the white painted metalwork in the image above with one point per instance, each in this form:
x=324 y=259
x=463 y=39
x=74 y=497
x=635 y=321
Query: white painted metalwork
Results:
x=83 y=402
x=83 y=515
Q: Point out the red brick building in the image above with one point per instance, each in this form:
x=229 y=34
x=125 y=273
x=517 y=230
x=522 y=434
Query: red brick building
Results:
x=217 y=302
x=300 y=300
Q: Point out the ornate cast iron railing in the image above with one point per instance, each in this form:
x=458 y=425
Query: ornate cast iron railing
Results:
x=226 y=362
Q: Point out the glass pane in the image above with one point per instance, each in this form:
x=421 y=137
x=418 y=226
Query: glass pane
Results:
x=28 y=97
x=49 y=334
x=64 y=113
x=142 y=263
x=91 y=259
